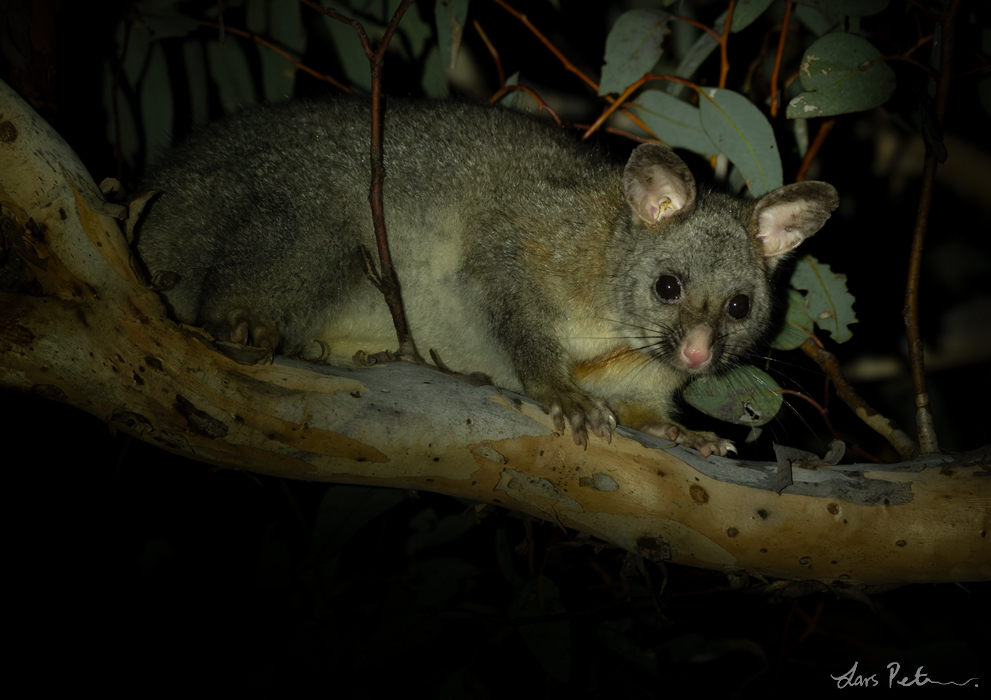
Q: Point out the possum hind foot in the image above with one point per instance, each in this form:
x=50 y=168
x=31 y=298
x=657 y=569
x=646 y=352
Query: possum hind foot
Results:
x=705 y=442
x=242 y=328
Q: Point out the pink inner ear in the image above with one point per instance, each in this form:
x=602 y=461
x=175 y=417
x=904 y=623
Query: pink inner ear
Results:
x=780 y=227
x=658 y=195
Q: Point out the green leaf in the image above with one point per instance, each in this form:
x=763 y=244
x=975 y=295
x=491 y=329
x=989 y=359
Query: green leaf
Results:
x=130 y=142
x=165 y=21
x=746 y=11
x=816 y=21
x=704 y=45
x=429 y=530
x=450 y=16
x=674 y=121
x=343 y=511
x=633 y=47
x=145 y=72
x=827 y=299
x=984 y=94
x=346 y=44
x=417 y=34
x=232 y=75
x=194 y=59
x=850 y=8
x=157 y=112
x=517 y=99
x=742 y=132
x=549 y=642
x=138 y=47
x=285 y=27
x=442 y=581
x=798 y=324
x=744 y=395
x=434 y=81
x=841 y=73
x=374 y=15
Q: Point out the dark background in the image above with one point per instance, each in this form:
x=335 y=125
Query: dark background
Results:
x=134 y=567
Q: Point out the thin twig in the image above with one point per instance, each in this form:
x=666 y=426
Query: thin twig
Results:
x=698 y=25
x=568 y=65
x=618 y=102
x=886 y=427
x=390 y=281
x=814 y=149
x=923 y=415
x=541 y=105
x=492 y=51
x=724 y=43
x=777 y=60
x=282 y=52
x=824 y=413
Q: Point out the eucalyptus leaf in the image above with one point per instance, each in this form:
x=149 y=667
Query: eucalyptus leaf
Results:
x=231 y=73
x=167 y=22
x=746 y=11
x=841 y=73
x=798 y=324
x=741 y=131
x=194 y=60
x=694 y=57
x=827 y=299
x=633 y=47
x=434 y=81
x=984 y=94
x=134 y=61
x=343 y=511
x=430 y=530
x=549 y=641
x=346 y=44
x=130 y=141
x=287 y=31
x=516 y=99
x=256 y=16
x=850 y=8
x=744 y=395
x=157 y=108
x=674 y=121
x=417 y=34
x=816 y=21
x=450 y=16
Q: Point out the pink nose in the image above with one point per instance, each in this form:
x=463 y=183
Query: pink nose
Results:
x=696 y=358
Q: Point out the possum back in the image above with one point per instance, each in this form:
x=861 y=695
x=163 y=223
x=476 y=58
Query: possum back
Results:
x=266 y=210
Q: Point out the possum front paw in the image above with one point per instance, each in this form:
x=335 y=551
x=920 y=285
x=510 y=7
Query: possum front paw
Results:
x=705 y=442
x=578 y=410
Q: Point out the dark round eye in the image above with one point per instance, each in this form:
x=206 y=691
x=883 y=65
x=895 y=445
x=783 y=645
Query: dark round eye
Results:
x=668 y=287
x=739 y=306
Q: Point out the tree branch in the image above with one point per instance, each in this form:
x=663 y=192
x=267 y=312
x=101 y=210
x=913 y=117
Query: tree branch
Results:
x=100 y=340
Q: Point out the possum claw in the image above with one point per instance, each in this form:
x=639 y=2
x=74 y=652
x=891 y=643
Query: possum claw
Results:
x=705 y=442
x=581 y=412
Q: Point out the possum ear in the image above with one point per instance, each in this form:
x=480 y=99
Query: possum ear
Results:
x=782 y=219
x=657 y=183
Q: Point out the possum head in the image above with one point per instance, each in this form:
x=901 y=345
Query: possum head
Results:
x=693 y=271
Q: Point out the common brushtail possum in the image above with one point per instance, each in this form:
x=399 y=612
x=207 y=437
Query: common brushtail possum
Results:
x=598 y=289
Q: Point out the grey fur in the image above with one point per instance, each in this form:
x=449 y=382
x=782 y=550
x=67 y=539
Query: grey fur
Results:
x=517 y=250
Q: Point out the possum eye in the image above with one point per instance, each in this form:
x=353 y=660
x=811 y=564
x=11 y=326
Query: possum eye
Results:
x=668 y=287
x=739 y=306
